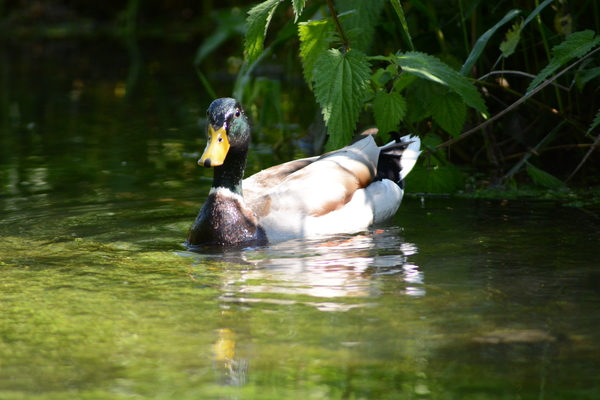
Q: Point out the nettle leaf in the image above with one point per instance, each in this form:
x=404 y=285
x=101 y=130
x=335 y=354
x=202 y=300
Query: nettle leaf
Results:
x=585 y=76
x=449 y=111
x=431 y=68
x=257 y=23
x=596 y=123
x=542 y=177
x=482 y=42
x=298 y=7
x=576 y=44
x=340 y=83
x=360 y=25
x=389 y=109
x=510 y=42
x=313 y=35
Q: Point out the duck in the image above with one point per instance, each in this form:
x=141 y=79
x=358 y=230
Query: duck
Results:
x=340 y=192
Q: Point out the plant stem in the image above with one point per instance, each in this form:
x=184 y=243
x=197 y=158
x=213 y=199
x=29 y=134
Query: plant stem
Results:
x=338 y=25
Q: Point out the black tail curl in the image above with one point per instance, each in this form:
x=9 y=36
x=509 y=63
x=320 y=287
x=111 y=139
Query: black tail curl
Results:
x=389 y=164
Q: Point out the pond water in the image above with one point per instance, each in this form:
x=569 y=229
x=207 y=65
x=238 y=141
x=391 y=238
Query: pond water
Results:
x=453 y=299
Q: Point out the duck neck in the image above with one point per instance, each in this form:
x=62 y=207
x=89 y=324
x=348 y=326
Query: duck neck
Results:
x=231 y=173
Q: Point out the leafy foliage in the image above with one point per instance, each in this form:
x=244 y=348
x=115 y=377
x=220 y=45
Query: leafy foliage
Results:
x=360 y=25
x=389 y=110
x=431 y=68
x=449 y=111
x=541 y=177
x=257 y=23
x=340 y=82
x=426 y=94
x=509 y=45
x=577 y=44
x=298 y=7
x=313 y=35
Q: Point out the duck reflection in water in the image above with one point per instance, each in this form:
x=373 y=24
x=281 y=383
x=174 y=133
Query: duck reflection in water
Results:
x=342 y=266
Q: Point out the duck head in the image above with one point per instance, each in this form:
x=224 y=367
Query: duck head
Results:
x=227 y=131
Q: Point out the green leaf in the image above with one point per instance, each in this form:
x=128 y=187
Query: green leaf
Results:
x=257 y=23
x=596 y=123
x=542 y=177
x=438 y=179
x=298 y=7
x=576 y=44
x=431 y=68
x=361 y=24
x=389 y=109
x=449 y=111
x=398 y=7
x=312 y=44
x=583 y=77
x=340 y=83
x=509 y=44
x=404 y=81
x=482 y=41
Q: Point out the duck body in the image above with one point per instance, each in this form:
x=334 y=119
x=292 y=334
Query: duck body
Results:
x=344 y=191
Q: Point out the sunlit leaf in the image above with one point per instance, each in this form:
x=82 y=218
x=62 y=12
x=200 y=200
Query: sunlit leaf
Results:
x=389 y=109
x=449 y=111
x=312 y=44
x=575 y=45
x=431 y=68
x=257 y=23
x=510 y=42
x=340 y=82
x=542 y=177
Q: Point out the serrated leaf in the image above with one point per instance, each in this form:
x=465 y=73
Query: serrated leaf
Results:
x=449 y=111
x=482 y=41
x=340 y=84
x=313 y=35
x=257 y=23
x=576 y=44
x=298 y=7
x=596 y=123
x=404 y=81
x=431 y=68
x=360 y=26
x=438 y=179
x=510 y=42
x=542 y=177
x=389 y=109
x=398 y=8
x=585 y=76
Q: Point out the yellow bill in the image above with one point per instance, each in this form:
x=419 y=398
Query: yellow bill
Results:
x=216 y=148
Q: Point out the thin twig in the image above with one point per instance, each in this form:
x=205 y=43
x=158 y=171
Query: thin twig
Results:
x=513 y=105
x=584 y=158
x=510 y=72
x=338 y=25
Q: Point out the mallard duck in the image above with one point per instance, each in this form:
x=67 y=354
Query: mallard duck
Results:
x=343 y=191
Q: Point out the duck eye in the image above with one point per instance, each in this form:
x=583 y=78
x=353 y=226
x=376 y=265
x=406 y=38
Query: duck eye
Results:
x=237 y=113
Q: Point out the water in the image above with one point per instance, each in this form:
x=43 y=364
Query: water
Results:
x=453 y=299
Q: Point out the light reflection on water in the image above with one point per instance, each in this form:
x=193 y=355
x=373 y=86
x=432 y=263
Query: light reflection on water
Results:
x=330 y=268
